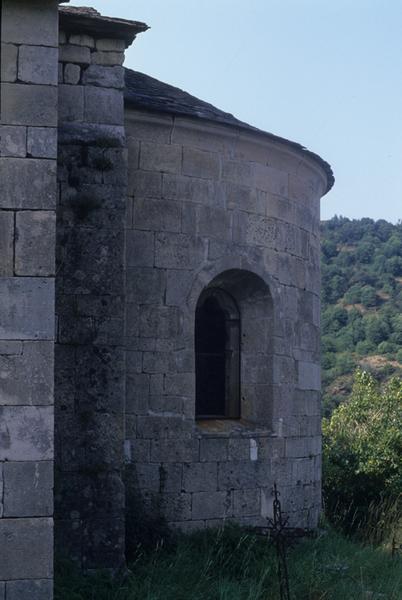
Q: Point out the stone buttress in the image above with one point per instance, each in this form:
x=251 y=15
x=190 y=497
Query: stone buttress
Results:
x=90 y=289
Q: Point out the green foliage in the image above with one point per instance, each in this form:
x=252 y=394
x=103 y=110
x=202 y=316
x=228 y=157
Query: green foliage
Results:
x=362 y=451
x=368 y=296
x=233 y=564
x=361 y=298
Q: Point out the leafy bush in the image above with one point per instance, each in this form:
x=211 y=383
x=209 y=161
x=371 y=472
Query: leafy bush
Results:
x=362 y=451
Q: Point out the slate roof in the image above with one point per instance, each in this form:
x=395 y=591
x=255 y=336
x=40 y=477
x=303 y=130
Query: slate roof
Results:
x=148 y=93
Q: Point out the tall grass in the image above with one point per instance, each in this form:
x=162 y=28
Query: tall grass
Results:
x=232 y=564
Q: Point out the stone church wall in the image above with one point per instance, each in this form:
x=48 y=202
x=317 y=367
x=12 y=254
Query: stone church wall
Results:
x=90 y=358
x=210 y=205
x=29 y=51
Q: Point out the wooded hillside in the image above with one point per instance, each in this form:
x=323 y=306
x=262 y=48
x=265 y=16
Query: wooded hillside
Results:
x=361 y=302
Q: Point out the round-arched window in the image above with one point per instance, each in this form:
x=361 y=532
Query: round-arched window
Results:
x=217 y=356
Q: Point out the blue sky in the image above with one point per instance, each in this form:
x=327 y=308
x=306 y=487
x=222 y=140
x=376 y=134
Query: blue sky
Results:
x=325 y=73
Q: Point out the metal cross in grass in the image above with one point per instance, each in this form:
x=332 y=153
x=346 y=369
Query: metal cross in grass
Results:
x=278 y=534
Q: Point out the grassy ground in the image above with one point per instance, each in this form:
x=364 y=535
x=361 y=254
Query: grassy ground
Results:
x=235 y=565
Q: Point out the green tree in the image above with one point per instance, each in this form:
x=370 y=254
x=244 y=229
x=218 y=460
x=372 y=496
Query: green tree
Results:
x=362 y=450
x=368 y=296
x=377 y=329
x=354 y=294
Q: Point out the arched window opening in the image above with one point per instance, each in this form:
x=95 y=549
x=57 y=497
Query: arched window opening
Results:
x=217 y=356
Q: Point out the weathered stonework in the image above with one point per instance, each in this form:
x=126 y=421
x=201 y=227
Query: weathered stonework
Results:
x=221 y=214
x=90 y=289
x=29 y=44
x=118 y=212
x=90 y=351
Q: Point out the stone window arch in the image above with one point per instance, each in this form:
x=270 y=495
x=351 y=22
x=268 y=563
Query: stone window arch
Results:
x=242 y=303
x=217 y=355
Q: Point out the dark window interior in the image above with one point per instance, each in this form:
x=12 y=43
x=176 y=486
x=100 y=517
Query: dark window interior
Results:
x=217 y=352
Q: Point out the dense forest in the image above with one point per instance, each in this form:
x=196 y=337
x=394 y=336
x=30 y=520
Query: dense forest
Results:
x=361 y=303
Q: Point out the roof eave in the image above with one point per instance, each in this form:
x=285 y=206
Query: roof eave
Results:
x=97 y=25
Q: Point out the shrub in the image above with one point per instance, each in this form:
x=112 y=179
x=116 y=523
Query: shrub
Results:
x=362 y=452
x=386 y=348
x=364 y=348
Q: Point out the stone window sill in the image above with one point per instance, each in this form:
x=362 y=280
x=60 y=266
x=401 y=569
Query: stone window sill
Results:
x=231 y=428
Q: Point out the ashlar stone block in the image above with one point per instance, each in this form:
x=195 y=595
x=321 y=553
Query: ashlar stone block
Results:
x=30 y=589
x=147 y=476
x=201 y=163
x=107 y=58
x=26 y=433
x=238 y=172
x=28 y=184
x=200 y=477
x=246 y=503
x=178 y=251
x=162 y=427
x=26 y=308
x=192 y=189
x=13 y=141
x=103 y=105
x=37 y=64
x=35 y=361
x=175 y=451
x=157 y=362
x=26 y=548
x=28 y=104
x=239 y=475
x=71 y=103
x=42 y=142
x=309 y=376
x=160 y=157
x=1 y=497
x=35 y=243
x=214 y=449
x=28 y=489
x=27 y=22
x=214 y=222
x=9 y=57
x=170 y=477
x=145 y=285
x=99 y=75
x=156 y=215
x=6 y=243
x=140 y=248
x=110 y=45
x=144 y=184
x=10 y=348
x=81 y=40
x=175 y=506
x=75 y=54
x=211 y=505
x=271 y=180
x=72 y=74
x=137 y=399
x=178 y=286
